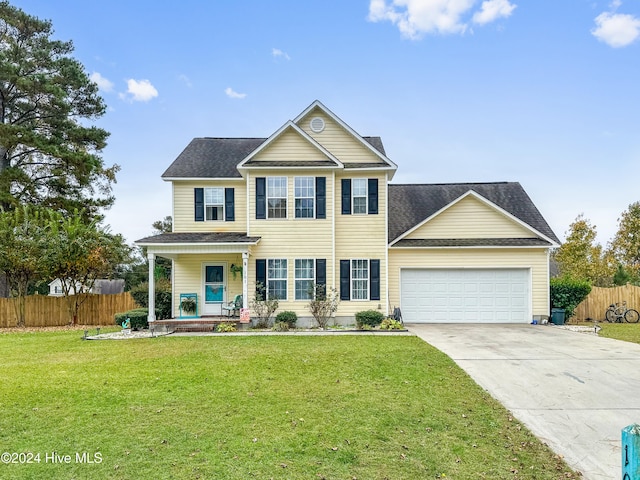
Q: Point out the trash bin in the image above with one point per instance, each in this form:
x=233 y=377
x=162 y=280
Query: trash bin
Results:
x=557 y=316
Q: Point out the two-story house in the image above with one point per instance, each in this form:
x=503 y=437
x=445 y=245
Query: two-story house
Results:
x=313 y=204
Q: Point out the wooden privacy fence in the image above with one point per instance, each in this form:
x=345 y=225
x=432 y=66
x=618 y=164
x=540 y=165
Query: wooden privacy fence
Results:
x=597 y=302
x=44 y=311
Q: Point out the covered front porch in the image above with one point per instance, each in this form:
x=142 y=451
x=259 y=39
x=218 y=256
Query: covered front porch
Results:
x=209 y=275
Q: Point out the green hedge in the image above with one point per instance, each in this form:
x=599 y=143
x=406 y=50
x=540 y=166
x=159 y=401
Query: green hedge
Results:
x=140 y=294
x=290 y=318
x=138 y=318
x=567 y=293
x=371 y=318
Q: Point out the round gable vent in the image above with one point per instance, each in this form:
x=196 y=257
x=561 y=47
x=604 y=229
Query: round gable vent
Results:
x=317 y=124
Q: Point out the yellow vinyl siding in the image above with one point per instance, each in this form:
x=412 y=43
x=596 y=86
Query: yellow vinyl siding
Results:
x=188 y=277
x=362 y=237
x=292 y=238
x=338 y=141
x=183 y=207
x=535 y=259
x=470 y=218
x=290 y=146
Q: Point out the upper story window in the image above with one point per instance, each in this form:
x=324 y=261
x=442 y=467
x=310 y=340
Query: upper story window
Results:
x=310 y=197
x=276 y=197
x=305 y=197
x=359 y=195
x=214 y=204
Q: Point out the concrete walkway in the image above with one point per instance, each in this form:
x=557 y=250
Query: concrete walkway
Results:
x=574 y=391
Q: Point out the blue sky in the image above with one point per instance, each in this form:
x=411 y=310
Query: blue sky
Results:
x=542 y=92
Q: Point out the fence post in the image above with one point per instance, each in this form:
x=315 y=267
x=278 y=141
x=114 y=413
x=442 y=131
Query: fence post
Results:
x=631 y=452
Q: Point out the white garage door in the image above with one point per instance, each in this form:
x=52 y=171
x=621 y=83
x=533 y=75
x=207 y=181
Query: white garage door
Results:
x=465 y=295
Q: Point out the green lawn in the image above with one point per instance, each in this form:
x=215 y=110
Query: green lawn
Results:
x=629 y=332
x=347 y=407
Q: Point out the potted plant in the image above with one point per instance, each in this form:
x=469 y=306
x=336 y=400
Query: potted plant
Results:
x=188 y=305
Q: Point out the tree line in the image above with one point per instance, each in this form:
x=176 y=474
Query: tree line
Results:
x=581 y=257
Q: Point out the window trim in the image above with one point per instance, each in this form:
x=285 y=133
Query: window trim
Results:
x=365 y=196
x=366 y=279
x=285 y=197
x=296 y=278
x=311 y=184
x=222 y=204
x=284 y=279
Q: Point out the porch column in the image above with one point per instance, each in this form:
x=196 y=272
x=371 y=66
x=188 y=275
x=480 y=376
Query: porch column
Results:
x=152 y=288
x=245 y=280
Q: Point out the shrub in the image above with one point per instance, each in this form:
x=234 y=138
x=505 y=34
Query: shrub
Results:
x=140 y=294
x=323 y=304
x=263 y=308
x=226 y=327
x=391 y=324
x=372 y=318
x=281 y=327
x=288 y=317
x=567 y=293
x=138 y=318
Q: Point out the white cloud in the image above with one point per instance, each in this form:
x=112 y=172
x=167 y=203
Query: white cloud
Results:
x=276 y=52
x=616 y=29
x=233 y=94
x=492 y=10
x=103 y=84
x=140 y=90
x=414 y=18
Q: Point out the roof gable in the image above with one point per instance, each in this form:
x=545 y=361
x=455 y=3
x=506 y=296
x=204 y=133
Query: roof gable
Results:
x=287 y=135
x=345 y=143
x=412 y=206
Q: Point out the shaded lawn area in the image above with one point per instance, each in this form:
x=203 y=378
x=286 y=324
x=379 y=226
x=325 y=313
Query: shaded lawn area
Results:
x=336 y=407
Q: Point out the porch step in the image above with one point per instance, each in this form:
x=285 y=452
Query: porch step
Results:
x=206 y=324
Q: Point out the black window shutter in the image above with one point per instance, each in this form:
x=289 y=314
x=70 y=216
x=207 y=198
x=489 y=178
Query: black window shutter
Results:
x=373 y=195
x=261 y=198
x=261 y=277
x=374 y=282
x=198 y=194
x=346 y=196
x=345 y=291
x=321 y=271
x=229 y=205
x=321 y=197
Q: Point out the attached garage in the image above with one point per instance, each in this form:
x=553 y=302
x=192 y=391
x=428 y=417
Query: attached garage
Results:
x=461 y=295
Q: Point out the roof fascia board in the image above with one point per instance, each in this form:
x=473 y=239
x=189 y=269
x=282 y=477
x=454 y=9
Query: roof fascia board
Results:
x=200 y=179
x=492 y=247
x=277 y=134
x=350 y=130
x=486 y=202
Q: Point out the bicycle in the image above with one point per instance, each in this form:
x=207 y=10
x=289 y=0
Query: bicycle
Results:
x=618 y=311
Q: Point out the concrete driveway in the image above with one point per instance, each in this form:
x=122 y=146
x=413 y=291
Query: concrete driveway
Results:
x=574 y=391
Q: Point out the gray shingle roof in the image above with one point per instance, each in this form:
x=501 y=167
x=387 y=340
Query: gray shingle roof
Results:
x=410 y=204
x=219 y=157
x=198 y=237
x=473 y=242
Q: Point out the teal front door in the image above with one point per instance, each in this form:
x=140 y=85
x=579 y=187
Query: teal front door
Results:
x=214 y=289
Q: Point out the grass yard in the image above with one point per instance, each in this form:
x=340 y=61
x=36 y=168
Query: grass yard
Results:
x=629 y=332
x=364 y=407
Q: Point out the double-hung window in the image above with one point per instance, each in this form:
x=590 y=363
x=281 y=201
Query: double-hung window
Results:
x=277 y=278
x=304 y=196
x=304 y=278
x=359 y=195
x=214 y=204
x=360 y=279
x=276 y=197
